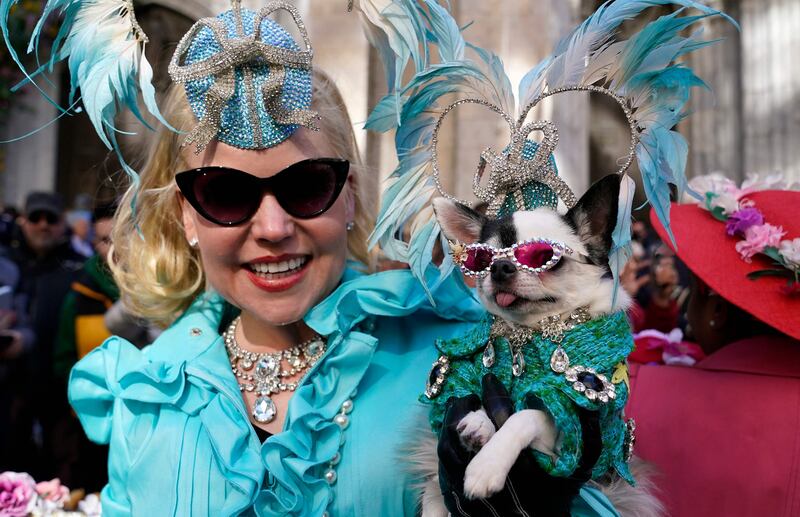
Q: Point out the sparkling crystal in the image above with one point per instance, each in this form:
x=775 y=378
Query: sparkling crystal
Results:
x=578 y=386
x=314 y=349
x=602 y=396
x=264 y=410
x=518 y=366
x=612 y=394
x=247 y=364
x=336 y=459
x=571 y=375
x=559 y=361
x=590 y=380
x=267 y=367
x=590 y=394
x=488 y=355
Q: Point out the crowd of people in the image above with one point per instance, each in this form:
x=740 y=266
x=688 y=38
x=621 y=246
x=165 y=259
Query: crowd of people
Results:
x=288 y=378
x=58 y=302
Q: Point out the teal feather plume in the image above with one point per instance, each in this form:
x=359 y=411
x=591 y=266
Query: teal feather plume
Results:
x=642 y=70
x=104 y=48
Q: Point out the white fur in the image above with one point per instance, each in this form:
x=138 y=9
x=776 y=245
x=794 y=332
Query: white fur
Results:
x=475 y=430
x=486 y=473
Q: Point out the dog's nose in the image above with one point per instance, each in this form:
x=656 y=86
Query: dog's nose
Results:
x=502 y=270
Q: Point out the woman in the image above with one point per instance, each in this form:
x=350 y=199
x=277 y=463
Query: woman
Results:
x=267 y=394
x=723 y=433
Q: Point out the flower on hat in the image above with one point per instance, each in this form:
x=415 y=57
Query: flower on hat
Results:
x=743 y=219
x=757 y=239
x=790 y=251
x=17 y=494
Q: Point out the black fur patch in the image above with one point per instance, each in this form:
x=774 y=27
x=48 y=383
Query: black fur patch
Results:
x=502 y=229
x=595 y=216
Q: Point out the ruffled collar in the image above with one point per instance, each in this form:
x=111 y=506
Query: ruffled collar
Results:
x=187 y=367
x=295 y=460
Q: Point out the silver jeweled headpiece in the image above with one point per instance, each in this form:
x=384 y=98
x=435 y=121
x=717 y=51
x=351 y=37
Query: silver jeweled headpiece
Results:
x=247 y=80
x=522 y=176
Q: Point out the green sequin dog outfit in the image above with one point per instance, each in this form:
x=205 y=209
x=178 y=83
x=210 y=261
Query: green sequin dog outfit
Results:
x=599 y=345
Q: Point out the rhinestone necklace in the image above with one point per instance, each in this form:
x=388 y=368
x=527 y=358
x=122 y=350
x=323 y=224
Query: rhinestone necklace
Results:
x=264 y=374
x=551 y=328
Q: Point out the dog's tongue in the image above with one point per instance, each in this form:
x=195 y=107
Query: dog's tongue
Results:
x=505 y=299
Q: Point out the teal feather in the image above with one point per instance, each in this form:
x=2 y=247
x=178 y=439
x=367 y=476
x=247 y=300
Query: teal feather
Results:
x=621 y=236
x=642 y=70
x=106 y=57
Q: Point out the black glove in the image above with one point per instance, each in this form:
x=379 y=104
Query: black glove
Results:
x=529 y=490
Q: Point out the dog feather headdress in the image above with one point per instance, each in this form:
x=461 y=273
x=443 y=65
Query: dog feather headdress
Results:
x=639 y=73
x=248 y=82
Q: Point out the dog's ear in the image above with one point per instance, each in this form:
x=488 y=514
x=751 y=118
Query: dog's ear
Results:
x=595 y=216
x=458 y=222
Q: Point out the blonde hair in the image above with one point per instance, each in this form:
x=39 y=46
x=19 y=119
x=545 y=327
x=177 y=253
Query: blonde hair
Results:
x=157 y=272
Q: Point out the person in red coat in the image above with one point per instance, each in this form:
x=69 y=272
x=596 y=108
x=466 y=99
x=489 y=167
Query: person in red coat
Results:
x=723 y=434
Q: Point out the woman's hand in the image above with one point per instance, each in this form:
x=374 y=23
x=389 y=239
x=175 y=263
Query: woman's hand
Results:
x=529 y=490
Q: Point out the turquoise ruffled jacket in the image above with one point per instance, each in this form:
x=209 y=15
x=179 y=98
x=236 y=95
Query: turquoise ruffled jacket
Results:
x=181 y=442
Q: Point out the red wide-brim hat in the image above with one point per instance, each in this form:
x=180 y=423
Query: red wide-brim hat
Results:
x=707 y=250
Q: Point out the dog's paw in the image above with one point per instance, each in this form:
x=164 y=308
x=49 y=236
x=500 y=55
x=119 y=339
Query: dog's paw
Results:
x=475 y=430
x=484 y=477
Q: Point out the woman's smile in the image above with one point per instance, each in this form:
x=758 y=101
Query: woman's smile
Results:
x=277 y=273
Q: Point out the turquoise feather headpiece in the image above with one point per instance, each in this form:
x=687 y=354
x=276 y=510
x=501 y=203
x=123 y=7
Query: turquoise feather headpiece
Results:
x=640 y=73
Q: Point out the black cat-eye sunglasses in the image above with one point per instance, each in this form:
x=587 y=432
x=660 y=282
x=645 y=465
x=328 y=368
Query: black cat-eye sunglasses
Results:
x=228 y=197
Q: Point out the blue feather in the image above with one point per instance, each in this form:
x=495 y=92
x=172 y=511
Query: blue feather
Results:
x=621 y=236
x=642 y=70
x=105 y=54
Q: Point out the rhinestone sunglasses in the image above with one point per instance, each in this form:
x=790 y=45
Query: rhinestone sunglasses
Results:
x=533 y=256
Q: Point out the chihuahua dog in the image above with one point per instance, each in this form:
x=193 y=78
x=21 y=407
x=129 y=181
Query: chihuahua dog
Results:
x=524 y=296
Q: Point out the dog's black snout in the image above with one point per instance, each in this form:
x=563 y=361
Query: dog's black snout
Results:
x=502 y=270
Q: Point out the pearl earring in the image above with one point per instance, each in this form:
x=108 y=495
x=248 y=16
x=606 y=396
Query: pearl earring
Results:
x=350 y=225
x=193 y=242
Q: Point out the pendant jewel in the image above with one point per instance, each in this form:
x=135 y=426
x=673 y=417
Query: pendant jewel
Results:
x=518 y=363
x=264 y=410
x=559 y=361
x=488 y=354
x=268 y=377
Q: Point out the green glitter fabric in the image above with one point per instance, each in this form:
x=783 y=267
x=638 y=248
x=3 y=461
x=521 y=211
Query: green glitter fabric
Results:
x=601 y=344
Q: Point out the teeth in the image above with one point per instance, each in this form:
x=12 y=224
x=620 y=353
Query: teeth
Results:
x=277 y=267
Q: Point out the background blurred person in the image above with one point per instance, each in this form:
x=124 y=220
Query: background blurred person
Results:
x=82 y=328
x=658 y=294
x=47 y=265
x=724 y=433
x=81 y=324
x=16 y=342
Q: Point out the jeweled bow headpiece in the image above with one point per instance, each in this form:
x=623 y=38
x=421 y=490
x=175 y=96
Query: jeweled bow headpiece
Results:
x=639 y=73
x=247 y=80
x=524 y=175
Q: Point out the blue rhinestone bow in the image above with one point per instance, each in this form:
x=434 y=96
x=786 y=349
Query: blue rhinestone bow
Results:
x=247 y=81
